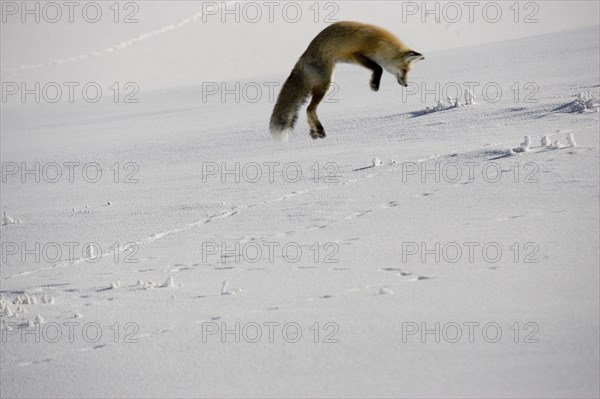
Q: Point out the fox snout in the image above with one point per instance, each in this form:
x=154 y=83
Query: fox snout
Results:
x=408 y=61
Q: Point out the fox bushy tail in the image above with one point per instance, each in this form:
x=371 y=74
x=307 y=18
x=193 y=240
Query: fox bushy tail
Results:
x=291 y=97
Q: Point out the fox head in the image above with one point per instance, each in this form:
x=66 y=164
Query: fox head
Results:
x=403 y=64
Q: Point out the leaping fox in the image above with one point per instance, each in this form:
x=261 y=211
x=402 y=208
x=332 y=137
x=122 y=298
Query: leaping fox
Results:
x=353 y=42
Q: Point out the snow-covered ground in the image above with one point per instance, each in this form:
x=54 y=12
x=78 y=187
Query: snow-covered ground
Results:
x=170 y=247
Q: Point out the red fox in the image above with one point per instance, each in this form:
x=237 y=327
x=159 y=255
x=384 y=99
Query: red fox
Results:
x=354 y=42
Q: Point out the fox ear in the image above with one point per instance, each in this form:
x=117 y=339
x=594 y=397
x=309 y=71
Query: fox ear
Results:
x=413 y=56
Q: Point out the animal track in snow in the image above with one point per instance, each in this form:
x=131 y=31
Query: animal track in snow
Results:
x=92 y=348
x=358 y=214
x=405 y=275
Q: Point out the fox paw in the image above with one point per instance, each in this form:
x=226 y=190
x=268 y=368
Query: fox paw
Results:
x=317 y=134
x=374 y=84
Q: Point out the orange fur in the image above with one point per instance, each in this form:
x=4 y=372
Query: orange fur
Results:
x=368 y=45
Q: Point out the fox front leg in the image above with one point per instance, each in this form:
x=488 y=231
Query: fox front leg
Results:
x=373 y=66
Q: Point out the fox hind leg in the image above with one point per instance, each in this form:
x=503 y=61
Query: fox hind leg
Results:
x=316 y=128
x=373 y=66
